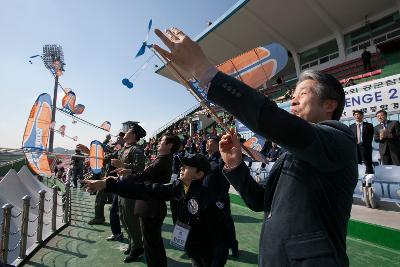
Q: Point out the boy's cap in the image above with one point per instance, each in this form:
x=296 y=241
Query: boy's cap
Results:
x=198 y=161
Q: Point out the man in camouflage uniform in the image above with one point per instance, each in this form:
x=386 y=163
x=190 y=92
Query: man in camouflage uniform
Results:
x=131 y=157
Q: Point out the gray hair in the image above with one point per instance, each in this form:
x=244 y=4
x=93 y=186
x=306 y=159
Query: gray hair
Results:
x=328 y=87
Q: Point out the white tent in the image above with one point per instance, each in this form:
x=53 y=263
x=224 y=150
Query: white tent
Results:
x=13 y=187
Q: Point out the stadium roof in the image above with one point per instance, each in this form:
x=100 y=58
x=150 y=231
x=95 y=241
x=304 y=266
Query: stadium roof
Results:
x=297 y=25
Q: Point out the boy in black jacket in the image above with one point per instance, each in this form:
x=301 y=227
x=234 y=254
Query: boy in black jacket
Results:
x=201 y=223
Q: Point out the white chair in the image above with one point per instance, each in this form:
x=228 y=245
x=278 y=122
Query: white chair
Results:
x=387 y=178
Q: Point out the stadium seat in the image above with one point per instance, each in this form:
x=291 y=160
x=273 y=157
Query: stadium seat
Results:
x=387 y=180
x=389 y=173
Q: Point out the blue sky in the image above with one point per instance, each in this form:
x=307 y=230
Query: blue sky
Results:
x=99 y=40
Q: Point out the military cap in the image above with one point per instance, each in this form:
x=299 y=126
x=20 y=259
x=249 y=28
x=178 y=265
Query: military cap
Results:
x=138 y=130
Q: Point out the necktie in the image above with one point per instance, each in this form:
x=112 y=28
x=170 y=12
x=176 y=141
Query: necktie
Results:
x=358 y=133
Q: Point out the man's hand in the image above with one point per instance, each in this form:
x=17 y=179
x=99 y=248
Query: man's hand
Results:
x=123 y=172
x=184 y=52
x=381 y=135
x=230 y=149
x=384 y=134
x=116 y=163
x=94 y=185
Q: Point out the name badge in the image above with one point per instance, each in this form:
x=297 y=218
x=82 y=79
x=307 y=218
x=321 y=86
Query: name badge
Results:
x=180 y=235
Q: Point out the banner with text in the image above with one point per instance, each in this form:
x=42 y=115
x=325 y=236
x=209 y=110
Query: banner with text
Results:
x=372 y=96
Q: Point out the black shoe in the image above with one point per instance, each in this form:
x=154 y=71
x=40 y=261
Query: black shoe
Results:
x=134 y=255
x=127 y=251
x=235 y=252
x=129 y=258
x=115 y=237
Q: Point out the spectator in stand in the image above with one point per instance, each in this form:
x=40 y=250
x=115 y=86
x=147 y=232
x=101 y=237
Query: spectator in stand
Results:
x=213 y=131
x=176 y=163
x=274 y=153
x=188 y=145
x=363 y=133
x=203 y=145
x=195 y=146
x=366 y=59
x=387 y=134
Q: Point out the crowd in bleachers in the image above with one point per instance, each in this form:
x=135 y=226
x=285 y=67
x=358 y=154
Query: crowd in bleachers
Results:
x=191 y=134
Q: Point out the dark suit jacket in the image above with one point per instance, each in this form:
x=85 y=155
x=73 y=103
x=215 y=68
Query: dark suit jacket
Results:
x=215 y=180
x=393 y=144
x=367 y=134
x=159 y=171
x=308 y=196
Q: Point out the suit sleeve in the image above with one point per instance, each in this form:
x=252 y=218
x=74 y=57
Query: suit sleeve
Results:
x=250 y=191
x=321 y=145
x=127 y=188
x=396 y=130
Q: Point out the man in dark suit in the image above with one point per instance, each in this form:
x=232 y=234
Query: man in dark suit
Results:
x=308 y=196
x=387 y=134
x=364 y=133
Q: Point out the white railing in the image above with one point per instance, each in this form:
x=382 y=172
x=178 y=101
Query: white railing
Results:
x=320 y=60
x=375 y=40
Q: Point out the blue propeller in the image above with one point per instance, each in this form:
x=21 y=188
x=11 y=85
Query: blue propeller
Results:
x=144 y=45
x=126 y=82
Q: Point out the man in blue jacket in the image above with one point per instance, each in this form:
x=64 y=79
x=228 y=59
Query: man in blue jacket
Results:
x=307 y=199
